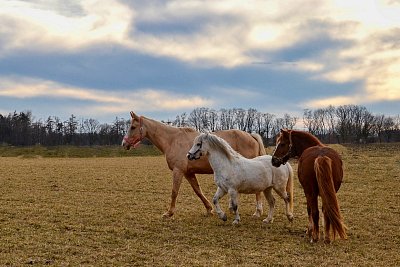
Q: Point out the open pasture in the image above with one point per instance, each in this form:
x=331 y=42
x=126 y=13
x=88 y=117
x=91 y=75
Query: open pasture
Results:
x=107 y=211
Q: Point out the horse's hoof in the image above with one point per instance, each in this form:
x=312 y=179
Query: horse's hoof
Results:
x=257 y=214
x=224 y=218
x=167 y=215
x=235 y=222
x=290 y=218
x=267 y=220
x=313 y=240
x=209 y=213
x=327 y=241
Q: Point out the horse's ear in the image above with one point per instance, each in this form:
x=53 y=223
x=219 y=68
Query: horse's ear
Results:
x=134 y=116
x=283 y=130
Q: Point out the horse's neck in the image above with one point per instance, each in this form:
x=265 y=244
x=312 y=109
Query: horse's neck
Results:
x=303 y=142
x=159 y=134
x=218 y=160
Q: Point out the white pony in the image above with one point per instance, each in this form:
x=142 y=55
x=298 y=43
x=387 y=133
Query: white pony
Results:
x=236 y=174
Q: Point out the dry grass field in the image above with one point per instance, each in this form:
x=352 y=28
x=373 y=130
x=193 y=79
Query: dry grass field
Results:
x=107 y=212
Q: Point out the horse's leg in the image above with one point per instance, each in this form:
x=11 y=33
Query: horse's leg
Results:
x=259 y=207
x=196 y=187
x=312 y=201
x=177 y=176
x=234 y=200
x=310 y=221
x=230 y=205
x=327 y=227
x=220 y=193
x=281 y=191
x=271 y=202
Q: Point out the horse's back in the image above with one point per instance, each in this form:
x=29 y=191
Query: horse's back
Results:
x=252 y=175
x=241 y=142
x=306 y=170
x=278 y=174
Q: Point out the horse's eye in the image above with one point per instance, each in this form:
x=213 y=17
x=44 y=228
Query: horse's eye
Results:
x=198 y=144
x=132 y=127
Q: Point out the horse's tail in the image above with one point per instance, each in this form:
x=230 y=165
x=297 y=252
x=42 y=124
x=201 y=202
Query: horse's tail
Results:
x=259 y=140
x=289 y=186
x=331 y=210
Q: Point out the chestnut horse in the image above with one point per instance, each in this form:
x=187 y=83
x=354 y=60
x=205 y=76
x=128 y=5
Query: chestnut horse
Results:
x=320 y=173
x=175 y=142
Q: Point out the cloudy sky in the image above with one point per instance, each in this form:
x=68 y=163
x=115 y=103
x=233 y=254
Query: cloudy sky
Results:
x=101 y=59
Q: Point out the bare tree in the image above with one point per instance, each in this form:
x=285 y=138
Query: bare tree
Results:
x=227 y=119
x=250 y=119
x=213 y=120
x=268 y=125
x=396 y=120
x=388 y=127
x=180 y=120
x=240 y=118
x=308 y=120
x=91 y=127
x=195 y=119
x=342 y=126
x=288 y=121
x=367 y=125
x=378 y=126
x=278 y=124
x=331 y=121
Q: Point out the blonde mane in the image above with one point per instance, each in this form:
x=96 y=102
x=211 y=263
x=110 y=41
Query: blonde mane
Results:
x=187 y=129
x=223 y=146
x=184 y=129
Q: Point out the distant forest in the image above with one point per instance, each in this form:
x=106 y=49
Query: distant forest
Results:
x=19 y=129
x=343 y=124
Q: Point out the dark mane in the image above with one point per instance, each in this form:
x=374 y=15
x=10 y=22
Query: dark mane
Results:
x=309 y=136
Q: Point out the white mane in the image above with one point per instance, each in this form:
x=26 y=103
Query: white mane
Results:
x=220 y=144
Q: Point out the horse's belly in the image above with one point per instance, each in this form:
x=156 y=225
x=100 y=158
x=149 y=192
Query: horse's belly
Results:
x=251 y=190
x=246 y=186
x=254 y=185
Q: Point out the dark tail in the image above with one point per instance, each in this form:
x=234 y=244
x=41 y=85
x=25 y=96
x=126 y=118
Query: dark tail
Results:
x=259 y=140
x=323 y=171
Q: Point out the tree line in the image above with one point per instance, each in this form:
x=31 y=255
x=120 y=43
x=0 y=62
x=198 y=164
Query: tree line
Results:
x=342 y=124
x=20 y=129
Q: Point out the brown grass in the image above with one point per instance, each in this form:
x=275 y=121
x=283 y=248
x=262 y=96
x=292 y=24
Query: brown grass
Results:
x=107 y=211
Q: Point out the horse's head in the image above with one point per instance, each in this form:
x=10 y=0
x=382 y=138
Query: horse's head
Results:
x=283 y=148
x=135 y=132
x=199 y=147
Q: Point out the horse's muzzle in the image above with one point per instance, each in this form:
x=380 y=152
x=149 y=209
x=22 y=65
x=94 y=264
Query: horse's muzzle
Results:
x=191 y=156
x=276 y=162
x=126 y=145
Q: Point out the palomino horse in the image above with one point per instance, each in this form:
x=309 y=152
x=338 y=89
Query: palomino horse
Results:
x=236 y=174
x=320 y=173
x=174 y=142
